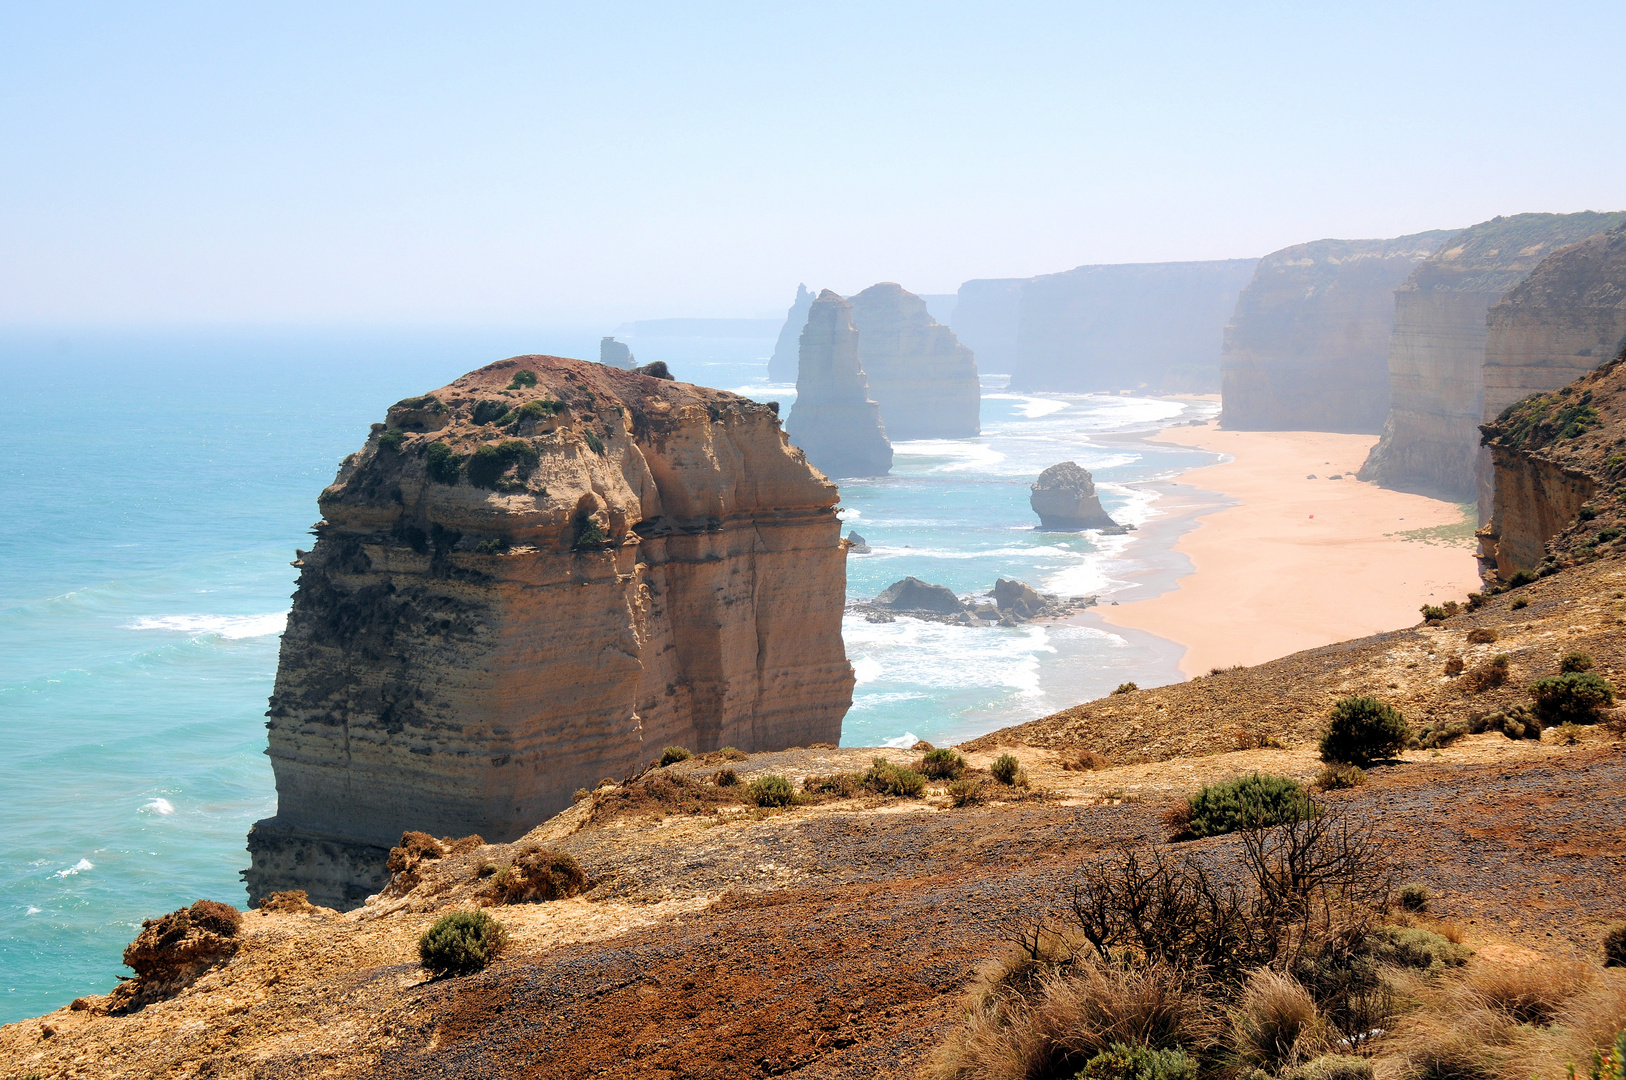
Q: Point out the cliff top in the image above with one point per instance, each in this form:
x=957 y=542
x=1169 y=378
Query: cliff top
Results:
x=1334 y=253
x=1494 y=255
x=1584 y=275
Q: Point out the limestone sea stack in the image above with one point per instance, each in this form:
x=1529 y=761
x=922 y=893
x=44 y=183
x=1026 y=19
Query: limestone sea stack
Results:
x=782 y=364
x=1065 y=500
x=616 y=354
x=1307 y=348
x=834 y=420
x=923 y=378
x=1562 y=321
x=1437 y=352
x=1152 y=326
x=531 y=579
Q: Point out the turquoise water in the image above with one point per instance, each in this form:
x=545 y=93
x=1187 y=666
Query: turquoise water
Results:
x=157 y=483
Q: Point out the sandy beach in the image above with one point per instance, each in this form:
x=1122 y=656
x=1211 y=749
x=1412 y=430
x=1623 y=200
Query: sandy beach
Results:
x=1280 y=562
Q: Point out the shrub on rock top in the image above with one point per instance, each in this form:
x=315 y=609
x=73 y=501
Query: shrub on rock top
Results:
x=461 y=943
x=674 y=754
x=1005 y=768
x=942 y=764
x=1362 y=730
x=1573 y=697
x=771 y=790
x=1255 y=800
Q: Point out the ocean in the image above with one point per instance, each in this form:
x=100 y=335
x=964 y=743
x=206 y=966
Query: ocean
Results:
x=158 y=481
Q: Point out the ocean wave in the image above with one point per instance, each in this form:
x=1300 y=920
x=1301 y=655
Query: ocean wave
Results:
x=162 y=807
x=82 y=864
x=228 y=627
x=865 y=670
x=1041 y=550
x=912 y=652
x=902 y=742
x=1031 y=407
x=963 y=455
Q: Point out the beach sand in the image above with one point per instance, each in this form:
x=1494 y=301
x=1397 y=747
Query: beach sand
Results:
x=1279 y=562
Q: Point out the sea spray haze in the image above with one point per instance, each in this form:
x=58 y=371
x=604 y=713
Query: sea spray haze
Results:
x=158 y=485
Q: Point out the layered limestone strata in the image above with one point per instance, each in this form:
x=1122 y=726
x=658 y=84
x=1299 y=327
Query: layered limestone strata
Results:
x=1562 y=321
x=923 y=378
x=1437 y=351
x=1307 y=348
x=1065 y=500
x=782 y=364
x=1152 y=326
x=1560 y=469
x=834 y=420
x=534 y=578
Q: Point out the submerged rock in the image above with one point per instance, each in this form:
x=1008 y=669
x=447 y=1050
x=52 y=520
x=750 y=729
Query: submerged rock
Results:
x=923 y=378
x=498 y=612
x=912 y=594
x=834 y=421
x=1065 y=500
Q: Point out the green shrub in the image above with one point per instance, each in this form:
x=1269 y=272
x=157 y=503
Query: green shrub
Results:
x=443 y=463
x=1338 y=777
x=490 y=411
x=839 y=785
x=1005 y=768
x=524 y=379
x=1361 y=730
x=594 y=443
x=1482 y=635
x=1519 y=603
x=1520 y=579
x=591 y=535
x=1608 y=534
x=886 y=778
x=1413 y=947
x=1257 y=799
x=941 y=764
x=1614 y=946
x=1454 y=666
x=1492 y=672
x=537 y=874
x=674 y=754
x=1574 y=697
x=1126 y=688
x=1576 y=661
x=1412 y=897
x=771 y=790
x=392 y=440
x=489 y=463
x=1122 y=1061
x=965 y=792
x=1432 y=613
x=493 y=545
x=461 y=943
x=535 y=410
x=726 y=778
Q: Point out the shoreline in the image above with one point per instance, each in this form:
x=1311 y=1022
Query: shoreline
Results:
x=1268 y=562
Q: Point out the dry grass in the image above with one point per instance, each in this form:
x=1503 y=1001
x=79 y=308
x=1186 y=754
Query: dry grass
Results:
x=1083 y=761
x=1276 y=1024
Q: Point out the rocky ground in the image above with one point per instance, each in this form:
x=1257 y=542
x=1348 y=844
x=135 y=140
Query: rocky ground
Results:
x=833 y=940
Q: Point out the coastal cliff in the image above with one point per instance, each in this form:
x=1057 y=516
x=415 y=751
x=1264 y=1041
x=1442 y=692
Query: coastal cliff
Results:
x=782 y=364
x=1437 y=351
x=1307 y=348
x=987 y=318
x=923 y=378
x=529 y=580
x=1562 y=321
x=1560 y=472
x=834 y=419
x=1151 y=325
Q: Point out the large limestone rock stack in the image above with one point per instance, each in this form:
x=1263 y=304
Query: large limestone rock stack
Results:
x=834 y=420
x=531 y=579
x=1430 y=440
x=782 y=364
x=1562 y=321
x=923 y=378
x=1308 y=346
x=1064 y=498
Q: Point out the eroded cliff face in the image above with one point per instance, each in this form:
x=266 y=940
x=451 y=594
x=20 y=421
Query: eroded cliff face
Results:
x=534 y=578
x=1437 y=350
x=987 y=318
x=923 y=378
x=1560 y=475
x=782 y=364
x=1307 y=348
x=1143 y=325
x=834 y=419
x=1562 y=321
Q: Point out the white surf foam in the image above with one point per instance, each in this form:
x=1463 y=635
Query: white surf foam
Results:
x=82 y=864
x=162 y=807
x=911 y=652
x=902 y=742
x=866 y=670
x=1032 y=407
x=32 y=910
x=228 y=627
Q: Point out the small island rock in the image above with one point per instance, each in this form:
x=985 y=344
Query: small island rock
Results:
x=912 y=594
x=1065 y=500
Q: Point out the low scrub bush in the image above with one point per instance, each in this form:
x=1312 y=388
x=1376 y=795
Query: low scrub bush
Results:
x=1126 y=688
x=1487 y=675
x=1614 y=945
x=835 y=785
x=534 y=410
x=941 y=764
x=392 y=440
x=1412 y=897
x=1455 y=666
x=1084 y=761
x=461 y=943
x=489 y=411
x=1574 y=697
x=1575 y=661
x=965 y=792
x=590 y=535
x=1361 y=730
x=674 y=754
x=524 y=379
x=1414 y=947
x=1131 y=1061
x=1519 y=603
x=1435 y=736
x=1521 y=578
x=1257 y=799
x=594 y=443
x=442 y=463
x=725 y=778
x=1433 y=614
x=771 y=790
x=1481 y=635
x=537 y=874
x=886 y=778
x=1330 y=1067
x=489 y=464
x=1338 y=777
x=1005 y=768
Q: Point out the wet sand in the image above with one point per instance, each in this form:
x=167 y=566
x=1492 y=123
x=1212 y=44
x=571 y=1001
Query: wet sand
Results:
x=1277 y=562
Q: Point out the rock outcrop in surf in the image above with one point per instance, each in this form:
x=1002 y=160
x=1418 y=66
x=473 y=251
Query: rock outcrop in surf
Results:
x=1064 y=498
x=834 y=419
x=1437 y=351
x=1307 y=348
x=529 y=580
x=923 y=378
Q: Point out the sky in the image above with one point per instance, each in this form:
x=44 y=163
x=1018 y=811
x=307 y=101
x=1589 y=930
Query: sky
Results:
x=348 y=163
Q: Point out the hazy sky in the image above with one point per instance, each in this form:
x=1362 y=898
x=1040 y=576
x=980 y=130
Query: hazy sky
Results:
x=486 y=162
